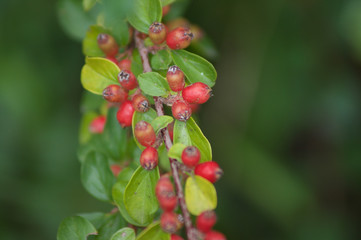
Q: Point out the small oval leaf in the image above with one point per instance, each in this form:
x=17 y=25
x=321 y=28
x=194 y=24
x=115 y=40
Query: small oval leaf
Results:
x=153 y=232
x=161 y=60
x=75 y=228
x=176 y=150
x=161 y=122
x=200 y=195
x=98 y=73
x=144 y=13
x=153 y=84
x=196 y=68
x=124 y=234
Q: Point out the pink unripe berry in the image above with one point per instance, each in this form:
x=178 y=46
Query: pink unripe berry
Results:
x=209 y=170
x=206 y=221
x=107 y=44
x=127 y=79
x=179 y=38
x=115 y=93
x=157 y=32
x=164 y=186
x=181 y=111
x=214 y=235
x=140 y=103
x=169 y=222
x=115 y=169
x=125 y=64
x=149 y=158
x=144 y=133
x=197 y=93
x=191 y=156
x=97 y=125
x=175 y=78
x=125 y=114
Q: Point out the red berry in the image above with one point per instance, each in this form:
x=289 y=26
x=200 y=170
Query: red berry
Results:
x=206 y=221
x=97 y=125
x=127 y=79
x=165 y=10
x=209 y=170
x=149 y=158
x=191 y=156
x=170 y=128
x=140 y=103
x=157 y=32
x=115 y=169
x=179 y=38
x=169 y=222
x=125 y=64
x=214 y=235
x=125 y=114
x=144 y=133
x=164 y=186
x=181 y=111
x=167 y=201
x=194 y=107
x=115 y=93
x=113 y=59
x=175 y=78
x=197 y=93
x=107 y=44
x=175 y=237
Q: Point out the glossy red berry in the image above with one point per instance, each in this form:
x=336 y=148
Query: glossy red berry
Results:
x=107 y=44
x=181 y=111
x=167 y=201
x=209 y=170
x=144 y=133
x=115 y=169
x=175 y=237
x=125 y=64
x=170 y=128
x=157 y=32
x=175 y=78
x=164 y=186
x=214 y=235
x=197 y=93
x=127 y=79
x=206 y=221
x=149 y=158
x=125 y=114
x=115 y=93
x=140 y=103
x=97 y=125
x=169 y=222
x=179 y=38
x=191 y=156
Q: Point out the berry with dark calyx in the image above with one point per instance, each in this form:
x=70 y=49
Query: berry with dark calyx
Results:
x=125 y=114
x=170 y=128
x=179 y=38
x=167 y=201
x=175 y=78
x=214 y=235
x=197 y=32
x=107 y=44
x=115 y=93
x=191 y=156
x=140 y=103
x=115 y=169
x=157 y=32
x=125 y=64
x=197 y=93
x=169 y=222
x=164 y=186
x=206 y=221
x=144 y=133
x=127 y=79
x=181 y=111
x=97 y=125
x=149 y=158
x=209 y=170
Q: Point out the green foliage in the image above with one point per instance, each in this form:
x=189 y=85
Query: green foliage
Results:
x=153 y=232
x=153 y=84
x=88 y=4
x=176 y=150
x=144 y=13
x=90 y=44
x=77 y=228
x=161 y=122
x=161 y=60
x=124 y=234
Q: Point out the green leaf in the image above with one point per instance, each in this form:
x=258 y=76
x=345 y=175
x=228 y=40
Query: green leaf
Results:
x=144 y=13
x=112 y=223
x=163 y=158
x=196 y=68
x=88 y=4
x=95 y=143
x=161 y=60
x=153 y=84
x=137 y=66
x=161 y=122
x=139 y=195
x=189 y=134
x=98 y=73
x=153 y=232
x=84 y=133
x=91 y=102
x=124 y=234
x=75 y=228
x=95 y=218
x=90 y=43
x=138 y=116
x=204 y=47
x=176 y=150
x=166 y=2
x=200 y=195
x=96 y=176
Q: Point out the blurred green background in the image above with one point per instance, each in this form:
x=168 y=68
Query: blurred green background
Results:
x=284 y=124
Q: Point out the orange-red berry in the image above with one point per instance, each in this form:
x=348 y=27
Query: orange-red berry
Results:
x=209 y=170
x=107 y=44
x=197 y=93
x=115 y=93
x=125 y=114
x=175 y=237
x=175 y=78
x=144 y=133
x=169 y=222
x=191 y=156
x=97 y=125
x=181 y=111
x=149 y=158
x=167 y=201
x=206 y=220
x=140 y=103
x=115 y=169
x=179 y=38
x=125 y=64
x=214 y=235
x=127 y=79
x=157 y=32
